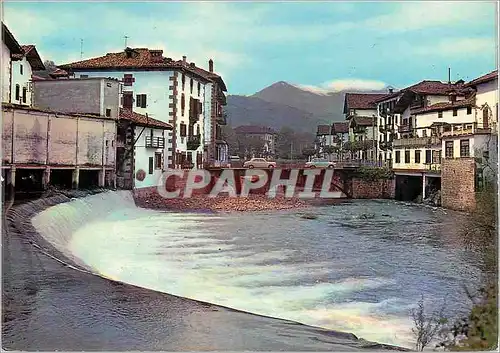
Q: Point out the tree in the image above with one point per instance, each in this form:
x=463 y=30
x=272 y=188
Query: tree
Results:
x=329 y=150
x=426 y=327
x=309 y=152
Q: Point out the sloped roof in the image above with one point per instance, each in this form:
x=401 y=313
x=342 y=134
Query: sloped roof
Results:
x=254 y=129
x=323 y=130
x=469 y=102
x=423 y=87
x=340 y=128
x=143 y=120
x=483 y=79
x=141 y=58
x=31 y=54
x=361 y=101
x=11 y=42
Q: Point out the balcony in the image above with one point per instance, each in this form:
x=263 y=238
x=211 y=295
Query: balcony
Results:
x=405 y=128
x=385 y=145
x=381 y=129
x=155 y=142
x=417 y=142
x=433 y=168
x=467 y=129
x=221 y=119
x=193 y=142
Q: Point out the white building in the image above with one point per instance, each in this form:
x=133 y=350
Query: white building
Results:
x=18 y=63
x=174 y=92
x=361 y=113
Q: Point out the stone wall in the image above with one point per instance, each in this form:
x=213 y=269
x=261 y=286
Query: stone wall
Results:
x=458 y=184
x=377 y=189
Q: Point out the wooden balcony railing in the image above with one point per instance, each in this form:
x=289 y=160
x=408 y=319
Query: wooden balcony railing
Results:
x=405 y=128
x=193 y=142
x=417 y=141
x=155 y=142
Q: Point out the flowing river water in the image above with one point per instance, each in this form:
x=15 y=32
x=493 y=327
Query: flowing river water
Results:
x=359 y=267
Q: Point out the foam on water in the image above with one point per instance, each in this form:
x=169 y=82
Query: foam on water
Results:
x=190 y=255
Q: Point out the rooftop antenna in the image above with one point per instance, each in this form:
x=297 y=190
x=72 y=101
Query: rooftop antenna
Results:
x=81 y=48
x=126 y=37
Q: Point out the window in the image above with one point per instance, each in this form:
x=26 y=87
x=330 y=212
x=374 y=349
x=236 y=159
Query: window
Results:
x=128 y=79
x=151 y=165
x=18 y=93
x=199 y=88
x=183 y=81
x=108 y=112
x=183 y=103
x=436 y=157
x=191 y=86
x=464 y=148
x=407 y=156
x=197 y=129
x=21 y=69
x=183 y=130
x=398 y=156
x=448 y=153
x=141 y=101
x=191 y=130
x=84 y=76
x=469 y=110
x=440 y=115
x=428 y=156
x=157 y=160
x=25 y=93
x=128 y=100
x=424 y=133
x=455 y=112
x=417 y=156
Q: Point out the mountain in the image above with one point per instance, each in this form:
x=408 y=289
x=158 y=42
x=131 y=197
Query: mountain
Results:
x=242 y=110
x=283 y=104
x=323 y=106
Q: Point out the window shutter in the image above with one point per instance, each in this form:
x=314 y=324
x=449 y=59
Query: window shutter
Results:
x=200 y=107
x=191 y=130
x=138 y=100
x=143 y=105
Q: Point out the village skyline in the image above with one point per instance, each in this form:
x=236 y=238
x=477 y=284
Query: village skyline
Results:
x=321 y=47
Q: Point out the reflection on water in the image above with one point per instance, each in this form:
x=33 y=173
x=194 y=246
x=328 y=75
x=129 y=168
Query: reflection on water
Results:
x=359 y=267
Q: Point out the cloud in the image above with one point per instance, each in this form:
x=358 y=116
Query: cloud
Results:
x=344 y=85
x=458 y=46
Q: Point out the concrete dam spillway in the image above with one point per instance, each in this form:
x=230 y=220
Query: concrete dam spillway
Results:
x=241 y=270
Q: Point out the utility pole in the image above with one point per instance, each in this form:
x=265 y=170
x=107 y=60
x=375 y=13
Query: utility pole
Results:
x=81 y=48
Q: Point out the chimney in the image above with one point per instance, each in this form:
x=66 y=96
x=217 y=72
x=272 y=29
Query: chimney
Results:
x=211 y=65
x=449 y=75
x=184 y=59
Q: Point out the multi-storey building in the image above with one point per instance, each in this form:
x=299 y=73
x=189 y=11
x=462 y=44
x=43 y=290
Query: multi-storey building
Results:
x=335 y=135
x=266 y=137
x=361 y=113
x=174 y=92
x=18 y=64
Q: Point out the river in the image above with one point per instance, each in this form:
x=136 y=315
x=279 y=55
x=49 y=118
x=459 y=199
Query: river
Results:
x=359 y=267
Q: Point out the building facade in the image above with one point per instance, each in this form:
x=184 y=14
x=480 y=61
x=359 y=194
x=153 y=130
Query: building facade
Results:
x=261 y=140
x=174 y=92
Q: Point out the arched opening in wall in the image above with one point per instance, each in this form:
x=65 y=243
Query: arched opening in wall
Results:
x=89 y=179
x=408 y=187
x=29 y=183
x=61 y=178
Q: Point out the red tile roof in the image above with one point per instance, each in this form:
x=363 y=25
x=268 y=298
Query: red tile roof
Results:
x=324 y=130
x=143 y=120
x=31 y=54
x=483 y=79
x=140 y=58
x=469 y=102
x=58 y=73
x=423 y=87
x=361 y=100
x=254 y=129
x=340 y=128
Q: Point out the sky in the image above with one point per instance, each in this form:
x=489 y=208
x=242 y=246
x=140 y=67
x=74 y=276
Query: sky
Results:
x=320 y=46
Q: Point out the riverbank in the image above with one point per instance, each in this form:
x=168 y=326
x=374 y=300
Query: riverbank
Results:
x=150 y=199
x=49 y=306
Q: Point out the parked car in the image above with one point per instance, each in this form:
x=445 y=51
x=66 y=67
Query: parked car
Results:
x=320 y=163
x=259 y=163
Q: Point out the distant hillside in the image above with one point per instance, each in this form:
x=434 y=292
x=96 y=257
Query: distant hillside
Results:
x=327 y=107
x=255 y=111
x=283 y=104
